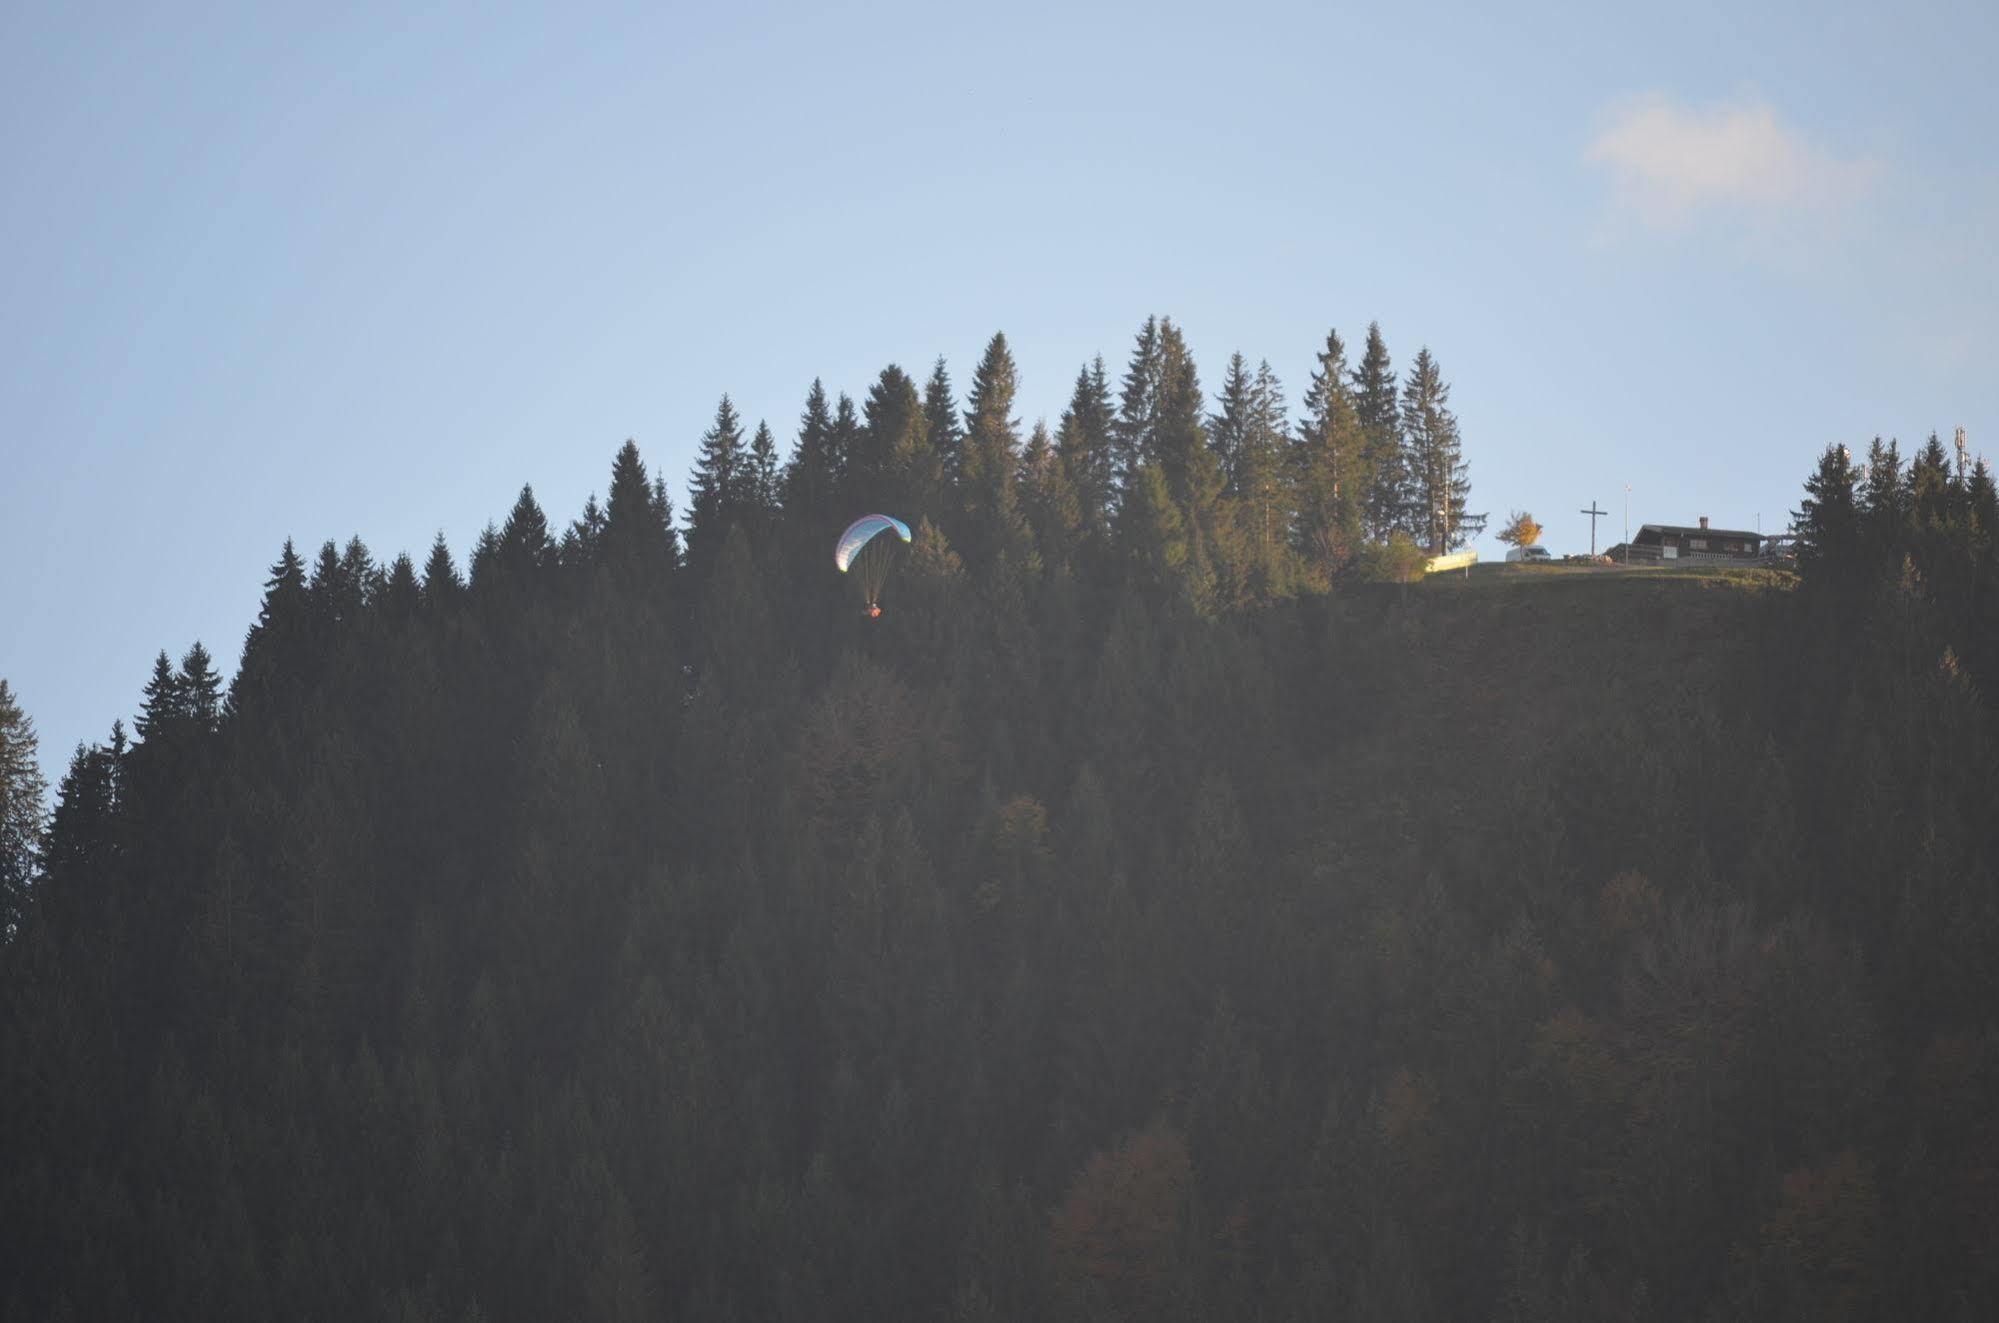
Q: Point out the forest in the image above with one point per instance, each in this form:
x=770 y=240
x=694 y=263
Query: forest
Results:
x=1171 y=907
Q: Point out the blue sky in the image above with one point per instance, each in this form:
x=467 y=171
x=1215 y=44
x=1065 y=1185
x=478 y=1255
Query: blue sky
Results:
x=340 y=271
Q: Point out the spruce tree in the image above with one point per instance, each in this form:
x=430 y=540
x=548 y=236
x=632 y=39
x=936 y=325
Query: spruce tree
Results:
x=662 y=505
x=165 y=706
x=357 y=578
x=940 y=412
x=279 y=639
x=1134 y=430
x=1048 y=501
x=992 y=444
x=844 y=443
x=1228 y=427
x=638 y=546
x=1439 y=479
x=811 y=477
x=334 y=595
x=1153 y=537
x=582 y=546
x=1086 y=447
x=1932 y=485
x=22 y=790
x=1261 y=472
x=899 y=472
x=718 y=489
x=1385 y=498
x=525 y=545
x=765 y=492
x=1883 y=506
x=1982 y=500
x=402 y=596
x=442 y=588
x=1331 y=522
x=1828 y=523
x=1180 y=441
x=1248 y=436
x=200 y=689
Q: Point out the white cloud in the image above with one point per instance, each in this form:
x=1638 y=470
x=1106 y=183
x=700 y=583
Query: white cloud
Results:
x=1672 y=164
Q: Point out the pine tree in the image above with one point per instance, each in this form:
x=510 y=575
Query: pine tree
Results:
x=718 y=489
x=22 y=791
x=1438 y=476
x=1386 y=501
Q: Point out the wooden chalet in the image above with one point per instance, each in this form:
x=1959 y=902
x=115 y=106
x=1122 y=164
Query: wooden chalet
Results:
x=1668 y=542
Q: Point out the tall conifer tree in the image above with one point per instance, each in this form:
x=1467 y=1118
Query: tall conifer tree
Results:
x=1136 y=425
x=637 y=546
x=22 y=790
x=165 y=705
x=721 y=480
x=442 y=587
x=940 y=412
x=902 y=473
x=200 y=689
x=1330 y=521
x=525 y=545
x=992 y=446
x=765 y=491
x=1828 y=522
x=1439 y=477
x=1048 y=500
x=1382 y=492
x=1086 y=447
x=1261 y=472
x=279 y=638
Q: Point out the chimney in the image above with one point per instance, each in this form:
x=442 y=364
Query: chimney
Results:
x=1703 y=523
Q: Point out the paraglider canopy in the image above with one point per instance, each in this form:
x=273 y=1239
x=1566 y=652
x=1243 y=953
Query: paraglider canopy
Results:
x=863 y=531
x=863 y=552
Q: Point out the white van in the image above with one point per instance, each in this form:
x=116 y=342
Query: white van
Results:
x=1532 y=553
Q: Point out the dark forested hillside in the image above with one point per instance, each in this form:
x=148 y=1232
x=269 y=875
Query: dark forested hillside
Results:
x=1157 y=913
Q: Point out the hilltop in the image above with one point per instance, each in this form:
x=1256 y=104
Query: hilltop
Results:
x=614 y=933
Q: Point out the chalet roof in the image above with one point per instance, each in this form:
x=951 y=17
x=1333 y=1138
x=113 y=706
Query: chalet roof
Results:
x=1686 y=531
